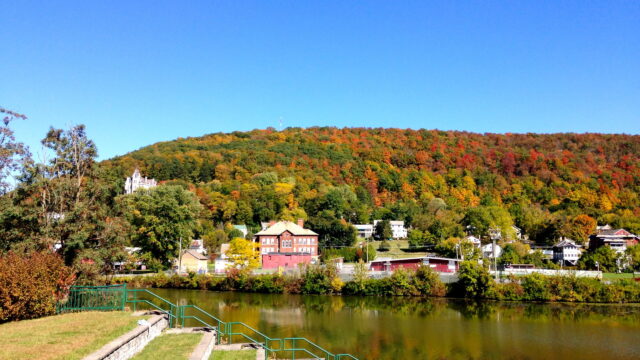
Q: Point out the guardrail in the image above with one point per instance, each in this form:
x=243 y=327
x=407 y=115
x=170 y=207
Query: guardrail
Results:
x=115 y=297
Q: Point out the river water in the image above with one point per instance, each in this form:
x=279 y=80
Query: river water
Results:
x=425 y=328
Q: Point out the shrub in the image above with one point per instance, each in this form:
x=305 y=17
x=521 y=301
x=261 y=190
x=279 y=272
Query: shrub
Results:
x=427 y=282
x=474 y=280
x=31 y=285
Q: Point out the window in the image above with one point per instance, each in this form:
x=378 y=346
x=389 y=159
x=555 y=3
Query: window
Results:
x=286 y=243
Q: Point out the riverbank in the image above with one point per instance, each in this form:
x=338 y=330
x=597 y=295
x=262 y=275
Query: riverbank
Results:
x=66 y=336
x=474 y=282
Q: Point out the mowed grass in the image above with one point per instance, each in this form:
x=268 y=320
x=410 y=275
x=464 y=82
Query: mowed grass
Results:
x=233 y=355
x=170 y=346
x=398 y=249
x=616 y=276
x=67 y=336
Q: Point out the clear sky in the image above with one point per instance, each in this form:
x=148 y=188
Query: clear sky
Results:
x=138 y=72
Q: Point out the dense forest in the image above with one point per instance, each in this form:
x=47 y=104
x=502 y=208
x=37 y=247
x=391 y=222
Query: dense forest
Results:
x=442 y=183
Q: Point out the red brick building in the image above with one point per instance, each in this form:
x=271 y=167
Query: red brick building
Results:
x=287 y=237
x=284 y=260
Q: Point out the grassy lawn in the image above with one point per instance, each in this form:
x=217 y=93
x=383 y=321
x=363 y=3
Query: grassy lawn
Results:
x=233 y=355
x=67 y=336
x=616 y=276
x=397 y=249
x=170 y=346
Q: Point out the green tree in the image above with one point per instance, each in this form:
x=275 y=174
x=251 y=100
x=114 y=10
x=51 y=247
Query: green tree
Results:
x=603 y=258
x=382 y=230
x=474 y=280
x=633 y=252
x=417 y=238
x=333 y=232
x=160 y=217
x=13 y=154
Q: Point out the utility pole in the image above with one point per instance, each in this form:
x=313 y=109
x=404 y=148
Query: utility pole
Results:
x=495 y=234
x=180 y=256
x=366 y=243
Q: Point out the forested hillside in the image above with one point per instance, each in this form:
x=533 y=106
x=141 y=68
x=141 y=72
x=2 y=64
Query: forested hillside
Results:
x=439 y=182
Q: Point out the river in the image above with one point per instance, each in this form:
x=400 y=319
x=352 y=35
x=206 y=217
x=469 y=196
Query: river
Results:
x=425 y=328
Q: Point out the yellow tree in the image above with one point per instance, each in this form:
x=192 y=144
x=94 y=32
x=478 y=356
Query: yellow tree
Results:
x=243 y=254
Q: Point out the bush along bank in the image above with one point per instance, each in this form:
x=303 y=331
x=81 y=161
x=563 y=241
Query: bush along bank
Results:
x=474 y=282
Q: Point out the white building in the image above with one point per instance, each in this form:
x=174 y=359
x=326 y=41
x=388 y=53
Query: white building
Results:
x=398 y=231
x=488 y=251
x=364 y=230
x=222 y=262
x=566 y=252
x=197 y=245
x=136 y=181
x=474 y=240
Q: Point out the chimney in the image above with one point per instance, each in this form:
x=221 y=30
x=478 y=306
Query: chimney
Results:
x=271 y=223
x=301 y=222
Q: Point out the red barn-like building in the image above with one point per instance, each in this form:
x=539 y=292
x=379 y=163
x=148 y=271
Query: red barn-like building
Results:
x=438 y=264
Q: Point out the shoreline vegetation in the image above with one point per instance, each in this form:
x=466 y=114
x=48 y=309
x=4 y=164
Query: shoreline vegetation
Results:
x=474 y=282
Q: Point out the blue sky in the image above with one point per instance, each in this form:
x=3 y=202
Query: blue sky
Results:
x=138 y=72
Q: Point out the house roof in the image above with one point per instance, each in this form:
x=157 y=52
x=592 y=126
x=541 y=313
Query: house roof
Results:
x=566 y=242
x=473 y=239
x=242 y=228
x=195 y=254
x=282 y=226
x=614 y=232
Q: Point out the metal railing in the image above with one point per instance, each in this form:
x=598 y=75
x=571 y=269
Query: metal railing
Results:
x=104 y=298
x=115 y=297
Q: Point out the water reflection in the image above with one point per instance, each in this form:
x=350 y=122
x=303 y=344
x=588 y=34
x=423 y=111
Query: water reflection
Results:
x=424 y=328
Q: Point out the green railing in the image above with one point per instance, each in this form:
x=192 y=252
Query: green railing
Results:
x=104 y=298
x=115 y=297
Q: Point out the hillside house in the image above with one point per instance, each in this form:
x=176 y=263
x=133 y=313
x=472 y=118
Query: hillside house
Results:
x=617 y=239
x=197 y=245
x=566 y=252
x=474 y=240
x=136 y=181
x=488 y=251
x=365 y=231
x=398 y=231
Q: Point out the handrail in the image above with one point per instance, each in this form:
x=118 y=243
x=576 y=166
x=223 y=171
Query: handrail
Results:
x=293 y=345
x=340 y=356
x=267 y=339
x=177 y=315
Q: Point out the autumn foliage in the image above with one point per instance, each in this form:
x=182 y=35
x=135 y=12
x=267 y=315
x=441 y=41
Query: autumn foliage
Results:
x=552 y=185
x=30 y=285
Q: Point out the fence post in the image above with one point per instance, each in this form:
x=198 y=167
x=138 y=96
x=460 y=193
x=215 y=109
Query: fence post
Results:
x=124 y=295
x=135 y=301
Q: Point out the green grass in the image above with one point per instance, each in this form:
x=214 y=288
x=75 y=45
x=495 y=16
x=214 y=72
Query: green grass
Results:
x=233 y=355
x=170 y=346
x=398 y=249
x=616 y=276
x=67 y=336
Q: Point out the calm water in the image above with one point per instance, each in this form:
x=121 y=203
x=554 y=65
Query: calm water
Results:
x=411 y=328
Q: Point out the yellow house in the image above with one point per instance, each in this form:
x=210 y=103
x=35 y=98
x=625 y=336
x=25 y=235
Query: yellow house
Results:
x=194 y=261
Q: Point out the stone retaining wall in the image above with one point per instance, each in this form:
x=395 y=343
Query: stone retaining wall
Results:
x=129 y=344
